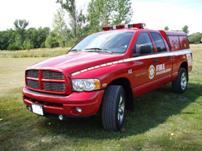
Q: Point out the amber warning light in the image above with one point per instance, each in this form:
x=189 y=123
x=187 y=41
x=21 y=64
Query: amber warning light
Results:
x=127 y=26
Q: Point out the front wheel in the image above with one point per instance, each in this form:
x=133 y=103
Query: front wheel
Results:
x=113 y=108
x=180 y=84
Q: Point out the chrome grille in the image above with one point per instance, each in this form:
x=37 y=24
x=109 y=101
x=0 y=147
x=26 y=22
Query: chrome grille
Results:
x=53 y=75
x=54 y=86
x=46 y=81
x=33 y=84
x=32 y=73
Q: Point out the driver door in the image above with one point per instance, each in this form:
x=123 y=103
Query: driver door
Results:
x=143 y=64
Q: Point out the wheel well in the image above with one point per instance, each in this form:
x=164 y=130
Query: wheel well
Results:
x=128 y=90
x=185 y=66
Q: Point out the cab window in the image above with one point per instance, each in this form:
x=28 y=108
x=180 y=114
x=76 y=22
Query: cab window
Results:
x=160 y=45
x=143 y=45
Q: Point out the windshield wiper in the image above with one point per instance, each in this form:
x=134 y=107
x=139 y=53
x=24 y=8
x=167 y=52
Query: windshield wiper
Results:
x=102 y=50
x=75 y=50
x=94 y=48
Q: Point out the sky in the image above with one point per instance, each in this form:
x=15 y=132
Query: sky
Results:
x=155 y=13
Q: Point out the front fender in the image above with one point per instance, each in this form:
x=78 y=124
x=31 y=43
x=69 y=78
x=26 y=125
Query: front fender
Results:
x=106 y=74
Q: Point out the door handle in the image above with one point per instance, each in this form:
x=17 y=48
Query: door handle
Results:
x=155 y=61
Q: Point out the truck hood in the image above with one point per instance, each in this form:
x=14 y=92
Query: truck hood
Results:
x=75 y=61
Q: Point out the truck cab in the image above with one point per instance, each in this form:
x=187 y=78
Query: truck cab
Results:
x=106 y=71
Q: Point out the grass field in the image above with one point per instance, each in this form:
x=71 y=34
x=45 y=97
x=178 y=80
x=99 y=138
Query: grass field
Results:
x=33 y=53
x=161 y=121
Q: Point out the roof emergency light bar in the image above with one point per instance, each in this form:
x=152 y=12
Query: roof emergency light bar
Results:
x=127 y=26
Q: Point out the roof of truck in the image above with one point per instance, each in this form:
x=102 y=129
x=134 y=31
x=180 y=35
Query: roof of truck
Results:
x=176 y=33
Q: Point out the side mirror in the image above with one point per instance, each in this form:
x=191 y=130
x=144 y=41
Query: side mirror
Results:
x=145 y=49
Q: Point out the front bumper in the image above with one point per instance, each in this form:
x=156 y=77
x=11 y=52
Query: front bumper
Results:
x=89 y=102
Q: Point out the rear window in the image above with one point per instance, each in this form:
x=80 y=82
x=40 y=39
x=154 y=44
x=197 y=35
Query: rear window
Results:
x=160 y=45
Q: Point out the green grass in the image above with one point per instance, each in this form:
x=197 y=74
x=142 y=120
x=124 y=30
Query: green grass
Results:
x=44 y=52
x=161 y=121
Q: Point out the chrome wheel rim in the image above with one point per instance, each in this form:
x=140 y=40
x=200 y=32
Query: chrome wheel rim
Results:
x=121 y=110
x=183 y=81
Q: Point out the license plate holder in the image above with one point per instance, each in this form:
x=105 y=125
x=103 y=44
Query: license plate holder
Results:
x=37 y=109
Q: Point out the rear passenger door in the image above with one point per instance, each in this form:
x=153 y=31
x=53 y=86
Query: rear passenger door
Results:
x=163 y=63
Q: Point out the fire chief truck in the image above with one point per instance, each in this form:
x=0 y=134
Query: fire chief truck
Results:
x=106 y=71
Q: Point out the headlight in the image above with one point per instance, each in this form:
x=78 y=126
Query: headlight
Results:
x=86 y=84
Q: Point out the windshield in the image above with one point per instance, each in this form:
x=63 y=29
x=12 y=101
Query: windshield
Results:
x=107 y=42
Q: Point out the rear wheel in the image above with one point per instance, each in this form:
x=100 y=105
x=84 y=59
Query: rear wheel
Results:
x=113 y=108
x=180 y=84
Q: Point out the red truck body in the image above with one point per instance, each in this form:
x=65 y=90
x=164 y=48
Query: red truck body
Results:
x=138 y=74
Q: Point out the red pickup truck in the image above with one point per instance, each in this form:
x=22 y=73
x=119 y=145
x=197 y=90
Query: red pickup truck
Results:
x=105 y=72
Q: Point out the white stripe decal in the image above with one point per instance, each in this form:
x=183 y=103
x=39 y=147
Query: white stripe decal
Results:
x=166 y=54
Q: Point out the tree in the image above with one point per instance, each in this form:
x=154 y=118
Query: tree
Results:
x=52 y=40
x=42 y=34
x=185 y=29
x=20 y=26
x=123 y=12
x=81 y=19
x=27 y=44
x=105 y=12
x=93 y=17
x=70 y=7
x=36 y=37
x=60 y=27
x=195 y=38
x=5 y=37
x=166 y=28
x=33 y=38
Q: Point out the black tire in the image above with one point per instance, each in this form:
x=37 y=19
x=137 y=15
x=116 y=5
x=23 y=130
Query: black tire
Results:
x=113 y=111
x=179 y=85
